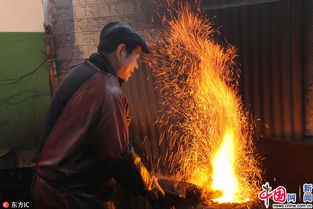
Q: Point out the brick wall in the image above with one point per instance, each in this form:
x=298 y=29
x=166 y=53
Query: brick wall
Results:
x=76 y=25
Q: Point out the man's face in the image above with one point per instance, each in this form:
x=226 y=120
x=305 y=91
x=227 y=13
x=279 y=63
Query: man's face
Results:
x=129 y=63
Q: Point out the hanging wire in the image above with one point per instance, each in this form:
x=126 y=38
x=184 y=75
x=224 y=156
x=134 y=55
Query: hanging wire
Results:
x=5 y=82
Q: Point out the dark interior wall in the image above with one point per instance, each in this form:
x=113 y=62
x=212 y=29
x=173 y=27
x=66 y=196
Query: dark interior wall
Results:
x=269 y=38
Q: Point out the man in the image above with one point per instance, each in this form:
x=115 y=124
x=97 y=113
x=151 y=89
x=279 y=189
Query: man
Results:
x=84 y=149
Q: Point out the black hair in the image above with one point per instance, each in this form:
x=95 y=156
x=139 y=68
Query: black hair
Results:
x=115 y=33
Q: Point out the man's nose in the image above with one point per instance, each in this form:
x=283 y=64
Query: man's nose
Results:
x=136 y=66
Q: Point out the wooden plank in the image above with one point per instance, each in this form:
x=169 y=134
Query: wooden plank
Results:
x=223 y=4
x=50 y=53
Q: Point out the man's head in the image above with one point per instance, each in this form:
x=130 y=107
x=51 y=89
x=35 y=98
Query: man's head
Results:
x=122 y=45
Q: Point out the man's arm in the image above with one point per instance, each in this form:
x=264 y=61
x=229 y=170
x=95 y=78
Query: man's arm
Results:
x=111 y=147
x=131 y=173
x=110 y=131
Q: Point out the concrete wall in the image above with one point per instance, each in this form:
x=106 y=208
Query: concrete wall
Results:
x=21 y=16
x=24 y=81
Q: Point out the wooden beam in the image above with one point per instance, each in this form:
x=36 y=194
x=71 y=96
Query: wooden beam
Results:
x=220 y=4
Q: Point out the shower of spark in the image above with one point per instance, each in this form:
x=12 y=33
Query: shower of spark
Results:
x=210 y=135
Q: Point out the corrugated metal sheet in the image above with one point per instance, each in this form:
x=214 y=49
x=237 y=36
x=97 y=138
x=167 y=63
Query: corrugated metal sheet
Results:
x=308 y=66
x=269 y=40
x=144 y=106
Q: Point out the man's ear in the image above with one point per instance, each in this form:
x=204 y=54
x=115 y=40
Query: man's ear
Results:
x=120 y=51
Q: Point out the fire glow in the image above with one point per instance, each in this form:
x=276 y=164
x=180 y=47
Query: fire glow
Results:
x=210 y=134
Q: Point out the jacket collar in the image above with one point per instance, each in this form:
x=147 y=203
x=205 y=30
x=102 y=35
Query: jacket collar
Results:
x=100 y=61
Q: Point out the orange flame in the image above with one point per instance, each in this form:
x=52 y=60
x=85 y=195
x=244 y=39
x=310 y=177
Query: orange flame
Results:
x=209 y=133
x=224 y=176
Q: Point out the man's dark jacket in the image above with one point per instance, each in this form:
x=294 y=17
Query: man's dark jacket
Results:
x=86 y=128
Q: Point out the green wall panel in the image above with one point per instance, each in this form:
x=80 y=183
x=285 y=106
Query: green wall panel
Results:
x=24 y=91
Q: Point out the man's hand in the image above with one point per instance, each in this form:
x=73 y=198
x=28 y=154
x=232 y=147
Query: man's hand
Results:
x=130 y=172
x=156 y=192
